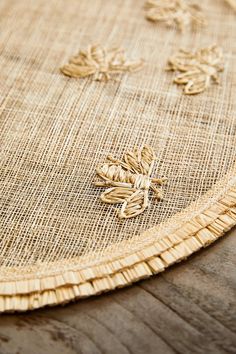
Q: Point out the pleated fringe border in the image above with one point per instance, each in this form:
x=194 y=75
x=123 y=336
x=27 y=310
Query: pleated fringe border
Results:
x=199 y=232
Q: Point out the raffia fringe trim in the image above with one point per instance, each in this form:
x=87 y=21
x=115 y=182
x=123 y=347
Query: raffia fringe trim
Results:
x=201 y=231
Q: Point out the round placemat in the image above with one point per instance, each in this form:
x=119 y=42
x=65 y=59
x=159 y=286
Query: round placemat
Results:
x=59 y=241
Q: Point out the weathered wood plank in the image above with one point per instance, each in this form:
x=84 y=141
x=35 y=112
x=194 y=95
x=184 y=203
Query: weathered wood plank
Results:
x=190 y=308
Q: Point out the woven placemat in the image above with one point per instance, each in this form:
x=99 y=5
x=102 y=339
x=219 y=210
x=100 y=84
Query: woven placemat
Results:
x=59 y=241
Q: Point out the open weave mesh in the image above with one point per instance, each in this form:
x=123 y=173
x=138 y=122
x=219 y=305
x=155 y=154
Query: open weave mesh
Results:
x=55 y=130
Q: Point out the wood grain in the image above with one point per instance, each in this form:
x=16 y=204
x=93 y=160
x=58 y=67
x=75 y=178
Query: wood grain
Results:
x=190 y=308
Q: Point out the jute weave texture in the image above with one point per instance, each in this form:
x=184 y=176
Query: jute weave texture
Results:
x=58 y=240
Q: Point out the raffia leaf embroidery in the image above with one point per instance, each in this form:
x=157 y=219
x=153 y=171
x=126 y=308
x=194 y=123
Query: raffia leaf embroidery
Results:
x=182 y=13
x=197 y=70
x=232 y=4
x=100 y=63
x=129 y=181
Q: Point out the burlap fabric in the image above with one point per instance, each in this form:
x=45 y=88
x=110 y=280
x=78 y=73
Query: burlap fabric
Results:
x=58 y=240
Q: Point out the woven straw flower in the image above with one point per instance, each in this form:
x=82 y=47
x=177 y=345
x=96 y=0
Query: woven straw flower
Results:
x=129 y=181
x=182 y=13
x=232 y=4
x=100 y=63
x=197 y=69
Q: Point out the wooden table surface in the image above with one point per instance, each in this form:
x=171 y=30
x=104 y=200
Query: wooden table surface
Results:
x=190 y=308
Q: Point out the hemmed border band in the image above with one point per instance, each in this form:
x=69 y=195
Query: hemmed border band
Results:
x=199 y=232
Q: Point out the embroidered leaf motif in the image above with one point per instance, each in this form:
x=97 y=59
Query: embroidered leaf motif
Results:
x=129 y=181
x=232 y=4
x=182 y=13
x=197 y=69
x=100 y=63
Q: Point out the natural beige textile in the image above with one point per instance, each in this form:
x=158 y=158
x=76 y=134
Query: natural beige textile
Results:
x=54 y=130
